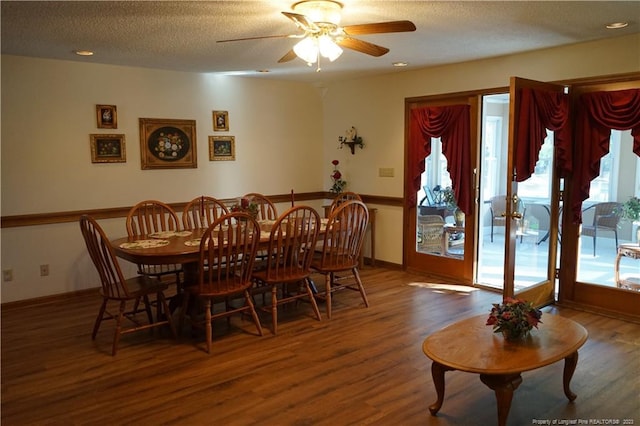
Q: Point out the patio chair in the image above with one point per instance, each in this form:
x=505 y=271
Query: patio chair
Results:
x=605 y=218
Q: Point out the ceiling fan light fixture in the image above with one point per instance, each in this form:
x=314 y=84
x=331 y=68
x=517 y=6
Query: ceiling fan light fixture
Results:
x=307 y=50
x=328 y=48
x=320 y=11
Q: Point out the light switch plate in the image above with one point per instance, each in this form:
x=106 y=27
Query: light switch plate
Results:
x=386 y=172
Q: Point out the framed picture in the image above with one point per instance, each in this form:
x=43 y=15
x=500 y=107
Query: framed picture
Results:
x=108 y=149
x=107 y=116
x=220 y=121
x=167 y=143
x=222 y=148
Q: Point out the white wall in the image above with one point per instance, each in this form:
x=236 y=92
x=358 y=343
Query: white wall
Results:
x=286 y=136
x=48 y=113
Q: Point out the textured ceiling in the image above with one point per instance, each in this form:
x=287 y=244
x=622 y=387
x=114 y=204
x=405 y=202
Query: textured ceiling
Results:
x=182 y=35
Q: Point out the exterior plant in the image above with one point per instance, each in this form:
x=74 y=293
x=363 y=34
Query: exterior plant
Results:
x=631 y=209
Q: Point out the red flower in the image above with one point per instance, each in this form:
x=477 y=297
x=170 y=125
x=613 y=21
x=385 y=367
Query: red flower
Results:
x=244 y=203
x=336 y=175
x=335 y=162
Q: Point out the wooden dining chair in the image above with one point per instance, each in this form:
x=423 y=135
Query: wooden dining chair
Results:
x=342 y=197
x=266 y=208
x=230 y=243
x=148 y=217
x=115 y=288
x=201 y=212
x=340 y=251
x=288 y=266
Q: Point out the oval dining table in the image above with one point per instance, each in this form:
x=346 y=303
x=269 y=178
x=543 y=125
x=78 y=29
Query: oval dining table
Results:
x=181 y=247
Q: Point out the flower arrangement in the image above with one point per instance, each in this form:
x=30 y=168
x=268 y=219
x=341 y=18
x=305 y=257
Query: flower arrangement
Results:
x=246 y=205
x=514 y=318
x=336 y=176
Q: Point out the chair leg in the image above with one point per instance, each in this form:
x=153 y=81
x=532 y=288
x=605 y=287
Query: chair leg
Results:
x=594 y=243
x=96 y=326
x=312 y=299
x=161 y=299
x=274 y=308
x=491 y=230
x=615 y=232
x=328 y=279
x=147 y=309
x=208 y=326
x=116 y=333
x=252 y=309
x=356 y=274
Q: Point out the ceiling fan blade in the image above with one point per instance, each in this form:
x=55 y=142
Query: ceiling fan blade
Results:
x=380 y=27
x=259 y=37
x=302 y=21
x=289 y=56
x=362 y=46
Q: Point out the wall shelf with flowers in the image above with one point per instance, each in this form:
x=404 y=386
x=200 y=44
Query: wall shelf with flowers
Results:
x=351 y=139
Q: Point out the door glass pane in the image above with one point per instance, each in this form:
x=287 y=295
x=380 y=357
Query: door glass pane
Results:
x=438 y=231
x=532 y=245
x=604 y=227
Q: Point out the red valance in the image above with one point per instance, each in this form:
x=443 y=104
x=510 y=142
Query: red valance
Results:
x=541 y=110
x=452 y=125
x=598 y=113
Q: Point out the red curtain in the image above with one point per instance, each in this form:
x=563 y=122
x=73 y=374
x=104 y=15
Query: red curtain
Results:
x=541 y=110
x=452 y=125
x=598 y=113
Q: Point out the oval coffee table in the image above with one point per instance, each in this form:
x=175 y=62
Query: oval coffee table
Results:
x=470 y=345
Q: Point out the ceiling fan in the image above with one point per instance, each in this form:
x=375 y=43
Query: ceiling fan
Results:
x=322 y=35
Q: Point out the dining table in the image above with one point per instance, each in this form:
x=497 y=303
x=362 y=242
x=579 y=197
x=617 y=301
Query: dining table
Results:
x=178 y=247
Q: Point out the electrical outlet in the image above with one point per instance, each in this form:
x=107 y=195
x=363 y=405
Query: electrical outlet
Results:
x=7 y=275
x=44 y=270
x=385 y=172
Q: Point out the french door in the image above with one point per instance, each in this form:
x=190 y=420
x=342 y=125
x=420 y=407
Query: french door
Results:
x=499 y=247
x=438 y=239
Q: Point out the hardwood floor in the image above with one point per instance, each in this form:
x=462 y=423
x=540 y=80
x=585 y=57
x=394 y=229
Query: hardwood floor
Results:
x=365 y=366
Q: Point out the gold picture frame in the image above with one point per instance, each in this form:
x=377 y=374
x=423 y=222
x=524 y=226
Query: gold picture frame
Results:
x=167 y=143
x=220 y=121
x=108 y=148
x=107 y=116
x=222 y=148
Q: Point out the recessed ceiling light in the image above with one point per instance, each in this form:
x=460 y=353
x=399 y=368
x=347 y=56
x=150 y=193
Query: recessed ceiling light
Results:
x=84 y=52
x=617 y=25
x=400 y=64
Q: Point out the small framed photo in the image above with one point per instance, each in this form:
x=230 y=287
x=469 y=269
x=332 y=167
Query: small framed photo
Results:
x=167 y=143
x=108 y=149
x=220 y=121
x=107 y=116
x=222 y=148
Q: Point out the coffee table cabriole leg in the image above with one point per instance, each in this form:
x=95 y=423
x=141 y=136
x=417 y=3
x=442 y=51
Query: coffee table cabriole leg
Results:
x=570 y=364
x=503 y=386
x=437 y=372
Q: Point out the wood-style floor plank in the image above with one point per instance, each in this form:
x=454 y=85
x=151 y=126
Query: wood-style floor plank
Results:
x=365 y=366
